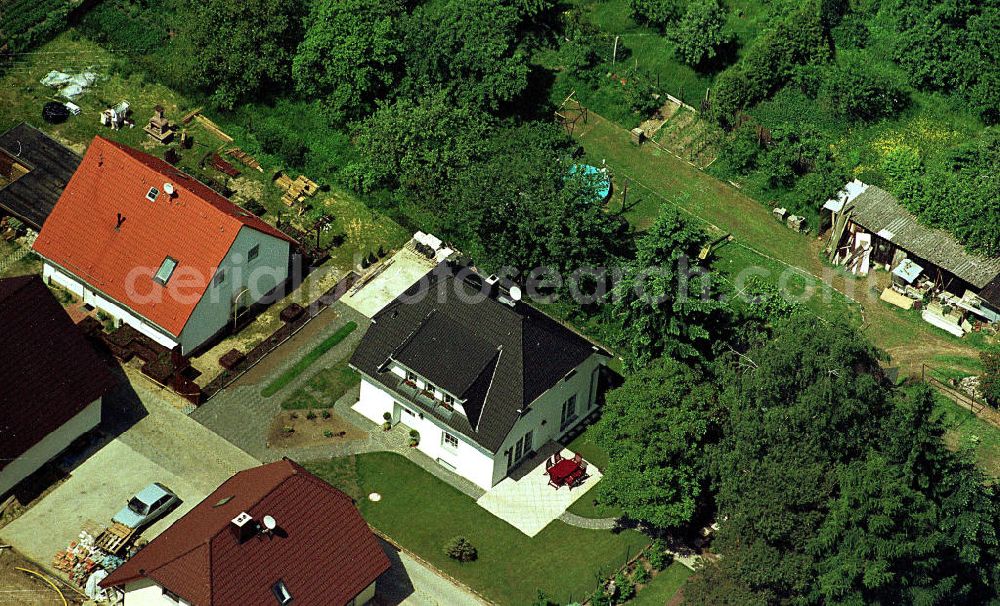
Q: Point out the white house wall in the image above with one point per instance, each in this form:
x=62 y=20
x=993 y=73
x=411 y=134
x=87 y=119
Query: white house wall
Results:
x=467 y=460
x=50 y=446
x=120 y=314
x=544 y=414
x=214 y=311
x=148 y=593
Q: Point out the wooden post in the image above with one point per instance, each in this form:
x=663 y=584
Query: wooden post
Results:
x=614 y=53
x=624 y=195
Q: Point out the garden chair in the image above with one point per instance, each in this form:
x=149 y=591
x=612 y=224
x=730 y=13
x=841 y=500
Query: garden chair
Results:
x=578 y=458
x=557 y=457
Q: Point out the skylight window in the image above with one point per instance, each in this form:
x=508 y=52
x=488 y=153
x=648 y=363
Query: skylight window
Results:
x=166 y=270
x=152 y=194
x=281 y=593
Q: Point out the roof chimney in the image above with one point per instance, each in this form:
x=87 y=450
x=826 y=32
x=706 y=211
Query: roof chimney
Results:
x=243 y=527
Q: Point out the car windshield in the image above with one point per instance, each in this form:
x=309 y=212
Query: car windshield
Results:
x=137 y=506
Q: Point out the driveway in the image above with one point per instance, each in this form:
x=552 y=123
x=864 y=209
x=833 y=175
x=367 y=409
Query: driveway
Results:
x=241 y=415
x=159 y=444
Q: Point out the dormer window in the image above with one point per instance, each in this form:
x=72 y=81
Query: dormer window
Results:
x=166 y=270
x=281 y=593
x=152 y=194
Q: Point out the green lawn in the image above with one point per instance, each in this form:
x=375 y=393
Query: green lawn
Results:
x=663 y=586
x=301 y=399
x=966 y=430
x=335 y=381
x=421 y=513
x=299 y=367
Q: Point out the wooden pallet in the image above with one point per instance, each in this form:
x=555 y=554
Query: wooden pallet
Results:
x=115 y=538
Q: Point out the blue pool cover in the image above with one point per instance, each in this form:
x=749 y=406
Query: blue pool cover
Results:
x=601 y=177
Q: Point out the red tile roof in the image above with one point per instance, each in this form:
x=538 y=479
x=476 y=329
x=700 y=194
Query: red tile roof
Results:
x=49 y=373
x=196 y=226
x=322 y=549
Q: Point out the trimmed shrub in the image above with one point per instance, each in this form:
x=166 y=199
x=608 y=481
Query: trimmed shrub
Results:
x=459 y=548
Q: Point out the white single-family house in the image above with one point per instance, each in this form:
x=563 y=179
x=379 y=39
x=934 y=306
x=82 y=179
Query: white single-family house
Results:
x=483 y=377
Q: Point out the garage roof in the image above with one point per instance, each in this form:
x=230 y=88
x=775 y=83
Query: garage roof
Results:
x=49 y=373
x=50 y=165
x=321 y=550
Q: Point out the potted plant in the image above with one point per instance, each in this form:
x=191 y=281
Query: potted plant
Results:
x=387 y=425
x=414 y=438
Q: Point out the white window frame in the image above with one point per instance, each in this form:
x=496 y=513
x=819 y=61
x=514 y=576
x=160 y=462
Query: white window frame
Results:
x=281 y=593
x=162 y=280
x=152 y=194
x=447 y=439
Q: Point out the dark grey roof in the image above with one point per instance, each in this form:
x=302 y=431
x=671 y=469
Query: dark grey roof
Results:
x=500 y=358
x=447 y=354
x=32 y=197
x=876 y=210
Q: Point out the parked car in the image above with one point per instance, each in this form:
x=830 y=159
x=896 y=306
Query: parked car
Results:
x=148 y=505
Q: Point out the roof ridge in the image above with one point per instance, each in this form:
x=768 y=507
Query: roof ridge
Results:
x=486 y=398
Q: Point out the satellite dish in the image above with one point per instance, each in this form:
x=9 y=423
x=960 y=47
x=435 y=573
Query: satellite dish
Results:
x=168 y=188
x=515 y=293
x=270 y=523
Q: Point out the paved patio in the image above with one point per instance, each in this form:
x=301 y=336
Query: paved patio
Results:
x=528 y=503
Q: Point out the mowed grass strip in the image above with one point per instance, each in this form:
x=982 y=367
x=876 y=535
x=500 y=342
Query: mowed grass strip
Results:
x=422 y=513
x=299 y=367
x=664 y=585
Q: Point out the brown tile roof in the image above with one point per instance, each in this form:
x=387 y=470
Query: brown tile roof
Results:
x=49 y=372
x=322 y=550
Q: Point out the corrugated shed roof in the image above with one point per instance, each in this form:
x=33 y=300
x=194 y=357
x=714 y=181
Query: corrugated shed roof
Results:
x=878 y=211
x=195 y=226
x=322 y=548
x=32 y=197
x=49 y=373
x=533 y=352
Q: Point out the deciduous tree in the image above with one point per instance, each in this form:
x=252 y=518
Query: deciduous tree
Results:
x=468 y=48
x=655 y=428
x=700 y=32
x=349 y=54
x=243 y=47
